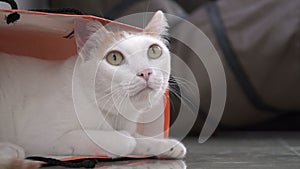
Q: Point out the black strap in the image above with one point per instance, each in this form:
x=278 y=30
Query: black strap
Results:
x=235 y=65
x=84 y=163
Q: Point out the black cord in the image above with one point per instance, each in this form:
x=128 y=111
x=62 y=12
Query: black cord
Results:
x=84 y=163
x=13 y=17
x=61 y=10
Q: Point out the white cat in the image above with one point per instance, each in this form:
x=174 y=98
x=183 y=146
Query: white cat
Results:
x=37 y=110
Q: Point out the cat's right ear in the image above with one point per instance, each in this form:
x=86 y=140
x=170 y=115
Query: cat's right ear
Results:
x=84 y=29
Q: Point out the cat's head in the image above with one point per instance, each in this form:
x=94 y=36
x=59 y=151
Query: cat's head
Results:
x=133 y=65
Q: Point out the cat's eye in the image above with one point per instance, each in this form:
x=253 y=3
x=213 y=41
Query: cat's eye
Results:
x=115 y=58
x=154 y=51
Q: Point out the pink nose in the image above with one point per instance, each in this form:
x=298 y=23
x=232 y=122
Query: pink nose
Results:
x=145 y=74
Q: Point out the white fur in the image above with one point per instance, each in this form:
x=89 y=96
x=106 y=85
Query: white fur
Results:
x=36 y=100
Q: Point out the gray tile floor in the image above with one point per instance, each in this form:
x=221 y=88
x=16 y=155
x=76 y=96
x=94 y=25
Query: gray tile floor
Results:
x=230 y=150
x=276 y=150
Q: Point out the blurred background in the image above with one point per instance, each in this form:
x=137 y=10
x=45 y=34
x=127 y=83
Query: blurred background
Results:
x=258 y=42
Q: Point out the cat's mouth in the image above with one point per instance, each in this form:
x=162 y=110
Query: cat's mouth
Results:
x=145 y=90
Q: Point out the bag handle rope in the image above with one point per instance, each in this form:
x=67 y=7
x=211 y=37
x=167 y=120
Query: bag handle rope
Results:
x=13 y=17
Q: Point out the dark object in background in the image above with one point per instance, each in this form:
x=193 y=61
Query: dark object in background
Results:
x=264 y=35
x=191 y=5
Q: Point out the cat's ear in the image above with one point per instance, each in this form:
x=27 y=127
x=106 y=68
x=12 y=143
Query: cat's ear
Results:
x=158 y=25
x=87 y=40
x=84 y=29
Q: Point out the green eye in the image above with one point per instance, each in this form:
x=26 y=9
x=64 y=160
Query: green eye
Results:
x=154 y=51
x=114 y=58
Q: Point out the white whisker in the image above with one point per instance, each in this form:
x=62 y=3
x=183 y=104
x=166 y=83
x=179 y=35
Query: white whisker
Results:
x=185 y=100
x=147 y=10
x=108 y=111
x=109 y=94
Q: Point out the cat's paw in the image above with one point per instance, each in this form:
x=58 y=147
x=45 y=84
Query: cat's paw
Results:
x=9 y=150
x=172 y=149
x=22 y=164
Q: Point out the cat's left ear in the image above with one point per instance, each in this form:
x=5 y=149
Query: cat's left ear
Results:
x=158 y=25
x=84 y=29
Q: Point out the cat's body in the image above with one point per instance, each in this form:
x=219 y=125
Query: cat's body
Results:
x=39 y=113
x=32 y=82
